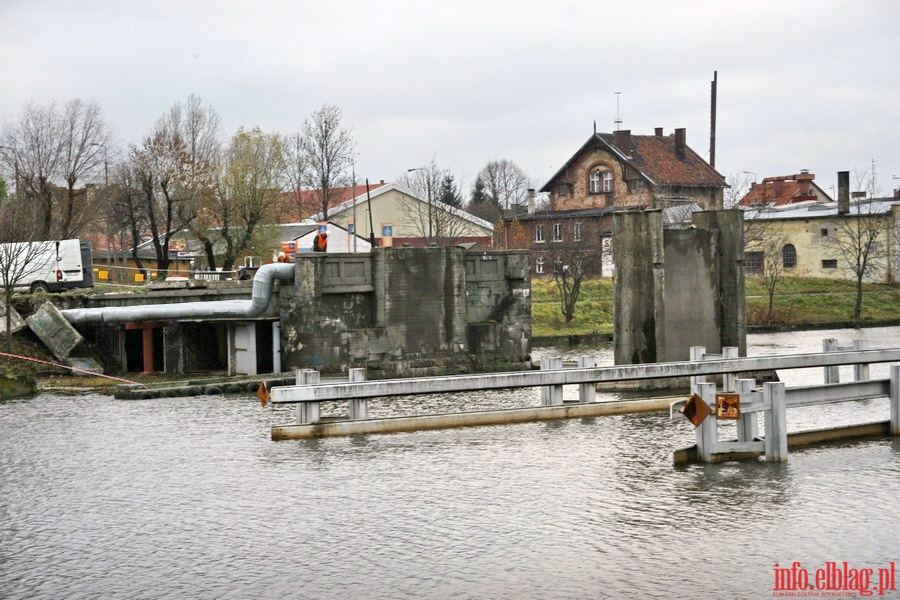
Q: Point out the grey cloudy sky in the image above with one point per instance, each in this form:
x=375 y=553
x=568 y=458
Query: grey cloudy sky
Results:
x=802 y=84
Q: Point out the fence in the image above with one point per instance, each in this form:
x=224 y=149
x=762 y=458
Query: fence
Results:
x=308 y=393
x=121 y=275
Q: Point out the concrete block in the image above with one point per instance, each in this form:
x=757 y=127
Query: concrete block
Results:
x=84 y=364
x=16 y=321
x=54 y=330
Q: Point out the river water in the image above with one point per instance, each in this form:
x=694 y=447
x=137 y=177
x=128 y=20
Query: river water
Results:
x=189 y=498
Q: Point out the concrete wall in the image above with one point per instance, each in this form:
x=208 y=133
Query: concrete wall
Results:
x=677 y=288
x=408 y=311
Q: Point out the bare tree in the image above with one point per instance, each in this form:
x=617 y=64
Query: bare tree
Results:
x=425 y=182
x=768 y=251
x=295 y=169
x=249 y=189
x=329 y=151
x=736 y=187
x=863 y=239
x=32 y=149
x=175 y=167
x=570 y=264
x=19 y=258
x=505 y=182
x=84 y=150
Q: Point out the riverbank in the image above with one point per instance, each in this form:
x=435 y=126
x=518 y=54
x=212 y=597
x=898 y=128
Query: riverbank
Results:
x=798 y=304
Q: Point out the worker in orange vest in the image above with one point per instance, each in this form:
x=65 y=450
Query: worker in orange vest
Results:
x=320 y=242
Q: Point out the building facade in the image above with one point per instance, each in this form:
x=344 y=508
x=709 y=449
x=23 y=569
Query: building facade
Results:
x=609 y=173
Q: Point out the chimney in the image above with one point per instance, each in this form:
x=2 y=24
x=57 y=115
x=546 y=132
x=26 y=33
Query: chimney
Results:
x=680 y=135
x=622 y=140
x=658 y=131
x=843 y=192
x=530 y=201
x=804 y=181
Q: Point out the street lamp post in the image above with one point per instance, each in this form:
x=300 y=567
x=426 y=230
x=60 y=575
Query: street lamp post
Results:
x=428 y=191
x=750 y=173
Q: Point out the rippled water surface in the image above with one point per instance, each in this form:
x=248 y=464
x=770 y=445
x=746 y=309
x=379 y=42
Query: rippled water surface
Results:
x=188 y=498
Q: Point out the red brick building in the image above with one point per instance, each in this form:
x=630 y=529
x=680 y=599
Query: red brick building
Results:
x=608 y=173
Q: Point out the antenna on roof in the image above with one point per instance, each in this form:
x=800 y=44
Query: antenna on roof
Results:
x=618 y=122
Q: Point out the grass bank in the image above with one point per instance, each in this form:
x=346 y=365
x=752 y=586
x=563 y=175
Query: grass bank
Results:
x=799 y=302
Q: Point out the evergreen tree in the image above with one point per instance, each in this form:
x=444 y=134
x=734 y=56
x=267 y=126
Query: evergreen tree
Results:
x=448 y=193
x=479 y=196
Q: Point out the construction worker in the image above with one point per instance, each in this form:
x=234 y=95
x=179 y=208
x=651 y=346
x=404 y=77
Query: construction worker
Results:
x=282 y=257
x=320 y=242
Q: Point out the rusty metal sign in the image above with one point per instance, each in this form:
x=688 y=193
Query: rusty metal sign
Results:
x=695 y=410
x=728 y=406
x=263 y=393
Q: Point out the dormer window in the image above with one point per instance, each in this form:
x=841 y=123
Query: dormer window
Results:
x=601 y=181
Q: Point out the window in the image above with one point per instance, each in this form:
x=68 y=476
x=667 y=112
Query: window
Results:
x=576 y=232
x=637 y=185
x=600 y=181
x=824 y=231
x=753 y=263
x=557 y=232
x=387 y=231
x=539 y=265
x=789 y=256
x=829 y=263
x=539 y=233
x=351 y=228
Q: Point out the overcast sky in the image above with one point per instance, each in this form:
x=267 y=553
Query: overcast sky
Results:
x=801 y=84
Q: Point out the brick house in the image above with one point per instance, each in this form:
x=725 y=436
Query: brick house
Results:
x=785 y=189
x=612 y=172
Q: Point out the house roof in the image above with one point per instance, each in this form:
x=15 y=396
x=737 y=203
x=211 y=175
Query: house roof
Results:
x=288 y=209
x=812 y=210
x=579 y=213
x=655 y=158
x=784 y=189
x=436 y=204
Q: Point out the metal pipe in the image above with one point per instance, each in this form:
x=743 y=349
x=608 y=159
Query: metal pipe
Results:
x=263 y=283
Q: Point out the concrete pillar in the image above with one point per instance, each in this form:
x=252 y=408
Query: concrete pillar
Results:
x=307 y=412
x=551 y=395
x=832 y=374
x=776 y=422
x=697 y=353
x=728 y=379
x=747 y=425
x=359 y=407
x=895 y=400
x=587 y=392
x=861 y=372
x=708 y=432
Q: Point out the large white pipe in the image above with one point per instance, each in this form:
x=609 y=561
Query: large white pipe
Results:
x=263 y=283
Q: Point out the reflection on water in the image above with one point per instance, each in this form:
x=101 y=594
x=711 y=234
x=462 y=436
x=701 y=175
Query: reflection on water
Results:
x=189 y=498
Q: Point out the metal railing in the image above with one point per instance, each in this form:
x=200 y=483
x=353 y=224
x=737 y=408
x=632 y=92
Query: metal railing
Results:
x=133 y=276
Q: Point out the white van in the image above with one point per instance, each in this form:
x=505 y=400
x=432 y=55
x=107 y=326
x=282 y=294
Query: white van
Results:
x=52 y=266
